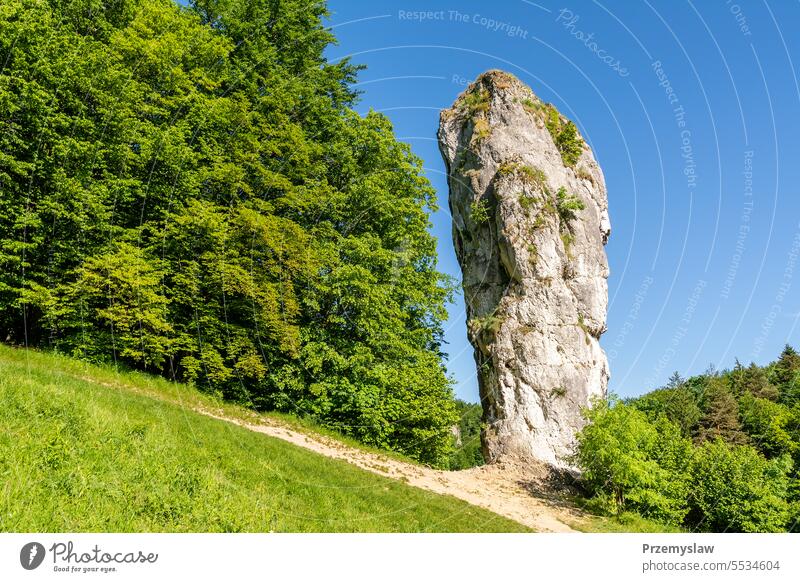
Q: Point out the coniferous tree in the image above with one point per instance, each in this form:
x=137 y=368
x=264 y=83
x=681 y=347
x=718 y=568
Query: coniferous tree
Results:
x=736 y=378
x=753 y=380
x=785 y=374
x=678 y=404
x=675 y=380
x=721 y=415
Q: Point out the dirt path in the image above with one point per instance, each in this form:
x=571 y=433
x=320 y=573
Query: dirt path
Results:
x=505 y=490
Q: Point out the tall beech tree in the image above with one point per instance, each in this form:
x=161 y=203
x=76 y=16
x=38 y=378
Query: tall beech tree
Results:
x=188 y=191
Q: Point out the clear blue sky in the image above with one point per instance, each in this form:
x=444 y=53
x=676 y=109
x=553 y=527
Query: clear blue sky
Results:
x=693 y=111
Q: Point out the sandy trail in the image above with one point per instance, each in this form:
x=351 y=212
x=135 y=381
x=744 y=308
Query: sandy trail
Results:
x=503 y=489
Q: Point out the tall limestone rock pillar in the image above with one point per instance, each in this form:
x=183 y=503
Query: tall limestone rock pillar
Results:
x=530 y=221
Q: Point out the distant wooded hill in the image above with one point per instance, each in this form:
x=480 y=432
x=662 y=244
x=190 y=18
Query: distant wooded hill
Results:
x=717 y=452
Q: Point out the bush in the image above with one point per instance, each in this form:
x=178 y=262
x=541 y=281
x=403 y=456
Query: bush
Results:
x=736 y=489
x=633 y=463
x=479 y=211
x=565 y=135
x=569 y=144
x=568 y=205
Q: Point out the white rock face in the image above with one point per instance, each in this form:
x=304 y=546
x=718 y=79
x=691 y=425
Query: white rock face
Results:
x=529 y=231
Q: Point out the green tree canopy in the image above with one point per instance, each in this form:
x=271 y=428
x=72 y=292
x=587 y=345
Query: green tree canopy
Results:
x=735 y=489
x=637 y=464
x=467 y=436
x=769 y=425
x=187 y=191
x=741 y=474
x=752 y=379
x=720 y=414
x=786 y=375
x=677 y=404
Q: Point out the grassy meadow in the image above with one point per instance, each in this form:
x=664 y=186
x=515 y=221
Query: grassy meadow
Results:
x=86 y=448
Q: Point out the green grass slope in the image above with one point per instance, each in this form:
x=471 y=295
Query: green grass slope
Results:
x=84 y=448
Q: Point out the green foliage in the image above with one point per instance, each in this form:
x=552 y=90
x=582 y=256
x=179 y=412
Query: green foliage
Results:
x=531 y=106
x=552 y=121
x=530 y=175
x=720 y=414
x=568 y=205
x=786 y=376
x=677 y=404
x=488 y=323
x=533 y=176
x=475 y=104
x=476 y=101
x=768 y=424
x=479 y=211
x=753 y=380
x=121 y=288
x=633 y=463
x=527 y=202
x=564 y=134
x=467 y=451
x=125 y=452
x=744 y=466
x=735 y=489
x=569 y=144
x=188 y=191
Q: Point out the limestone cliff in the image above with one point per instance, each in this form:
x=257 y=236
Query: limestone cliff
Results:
x=530 y=221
